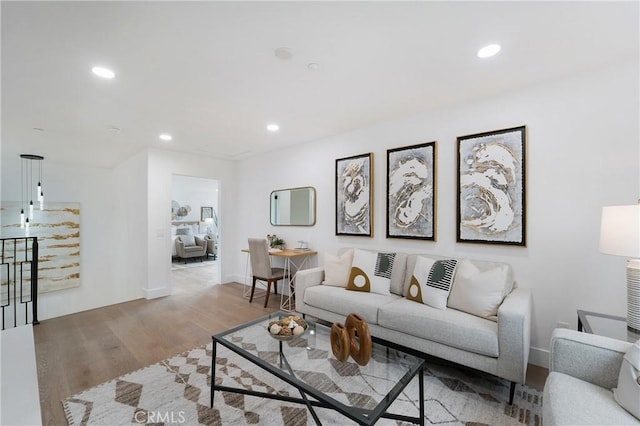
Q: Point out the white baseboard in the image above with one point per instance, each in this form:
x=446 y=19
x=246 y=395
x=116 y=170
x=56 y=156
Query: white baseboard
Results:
x=539 y=357
x=236 y=278
x=154 y=293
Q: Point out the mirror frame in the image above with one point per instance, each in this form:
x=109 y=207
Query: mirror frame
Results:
x=313 y=192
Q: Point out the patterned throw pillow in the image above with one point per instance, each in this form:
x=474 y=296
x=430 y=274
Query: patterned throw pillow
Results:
x=431 y=281
x=371 y=272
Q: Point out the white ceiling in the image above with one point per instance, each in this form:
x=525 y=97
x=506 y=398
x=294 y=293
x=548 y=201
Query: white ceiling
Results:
x=206 y=71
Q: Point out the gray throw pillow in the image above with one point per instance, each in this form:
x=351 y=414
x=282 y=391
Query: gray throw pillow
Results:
x=184 y=231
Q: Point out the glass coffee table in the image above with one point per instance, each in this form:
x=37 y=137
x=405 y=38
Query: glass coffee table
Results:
x=361 y=393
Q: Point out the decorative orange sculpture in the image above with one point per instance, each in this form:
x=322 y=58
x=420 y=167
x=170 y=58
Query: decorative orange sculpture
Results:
x=340 y=342
x=360 y=338
x=353 y=339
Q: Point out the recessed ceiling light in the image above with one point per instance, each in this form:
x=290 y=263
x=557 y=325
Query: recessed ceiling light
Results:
x=103 y=72
x=273 y=127
x=313 y=66
x=489 y=51
x=166 y=137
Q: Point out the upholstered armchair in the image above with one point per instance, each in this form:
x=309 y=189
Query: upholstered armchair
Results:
x=188 y=246
x=583 y=371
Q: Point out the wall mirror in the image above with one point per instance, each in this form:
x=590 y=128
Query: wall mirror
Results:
x=293 y=207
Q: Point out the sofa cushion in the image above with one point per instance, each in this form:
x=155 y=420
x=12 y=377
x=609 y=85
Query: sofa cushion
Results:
x=343 y=302
x=398 y=273
x=479 y=292
x=431 y=281
x=449 y=327
x=571 y=401
x=627 y=394
x=337 y=269
x=371 y=272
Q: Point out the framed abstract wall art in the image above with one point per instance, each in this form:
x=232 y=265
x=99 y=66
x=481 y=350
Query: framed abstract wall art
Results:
x=206 y=213
x=354 y=183
x=57 y=227
x=491 y=204
x=411 y=192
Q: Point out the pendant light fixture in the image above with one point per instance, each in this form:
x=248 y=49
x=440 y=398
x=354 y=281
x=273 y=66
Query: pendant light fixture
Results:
x=28 y=190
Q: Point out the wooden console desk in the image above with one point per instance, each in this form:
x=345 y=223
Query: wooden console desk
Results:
x=294 y=260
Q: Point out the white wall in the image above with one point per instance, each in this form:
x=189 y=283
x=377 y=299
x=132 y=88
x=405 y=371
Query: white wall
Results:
x=583 y=152
x=162 y=165
x=196 y=193
x=101 y=279
x=124 y=224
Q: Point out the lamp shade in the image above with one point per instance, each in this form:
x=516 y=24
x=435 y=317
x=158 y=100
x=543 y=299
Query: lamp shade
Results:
x=620 y=231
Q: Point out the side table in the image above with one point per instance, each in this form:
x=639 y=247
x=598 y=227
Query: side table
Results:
x=606 y=325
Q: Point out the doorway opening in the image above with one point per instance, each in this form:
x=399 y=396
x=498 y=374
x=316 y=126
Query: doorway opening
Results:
x=195 y=234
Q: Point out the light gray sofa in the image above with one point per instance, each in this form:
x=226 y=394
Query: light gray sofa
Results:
x=583 y=370
x=497 y=347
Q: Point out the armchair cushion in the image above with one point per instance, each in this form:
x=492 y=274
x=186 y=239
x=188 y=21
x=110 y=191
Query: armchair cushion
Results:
x=187 y=240
x=571 y=401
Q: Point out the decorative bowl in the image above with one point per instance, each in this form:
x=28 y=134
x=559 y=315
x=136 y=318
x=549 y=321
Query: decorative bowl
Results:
x=286 y=323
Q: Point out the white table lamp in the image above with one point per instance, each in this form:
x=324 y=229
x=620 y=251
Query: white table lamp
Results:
x=620 y=236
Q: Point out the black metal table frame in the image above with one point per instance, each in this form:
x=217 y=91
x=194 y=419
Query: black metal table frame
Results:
x=360 y=415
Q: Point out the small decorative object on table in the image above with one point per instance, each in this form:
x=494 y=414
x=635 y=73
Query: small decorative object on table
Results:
x=287 y=328
x=353 y=338
x=277 y=243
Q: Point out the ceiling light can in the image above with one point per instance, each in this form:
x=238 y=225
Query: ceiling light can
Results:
x=273 y=127
x=489 y=51
x=165 y=137
x=103 y=72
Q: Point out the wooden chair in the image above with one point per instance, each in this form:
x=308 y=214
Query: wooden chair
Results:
x=261 y=269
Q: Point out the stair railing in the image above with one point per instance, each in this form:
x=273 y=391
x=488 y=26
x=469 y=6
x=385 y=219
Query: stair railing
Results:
x=19 y=280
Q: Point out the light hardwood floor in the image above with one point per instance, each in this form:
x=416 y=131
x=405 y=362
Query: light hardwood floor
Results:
x=79 y=351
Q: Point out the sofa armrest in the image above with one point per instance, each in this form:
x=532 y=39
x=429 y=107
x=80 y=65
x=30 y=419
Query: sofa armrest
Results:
x=514 y=334
x=589 y=357
x=306 y=278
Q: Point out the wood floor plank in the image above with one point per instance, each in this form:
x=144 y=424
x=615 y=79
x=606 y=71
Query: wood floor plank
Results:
x=82 y=350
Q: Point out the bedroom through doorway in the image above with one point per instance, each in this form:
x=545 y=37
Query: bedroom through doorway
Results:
x=195 y=233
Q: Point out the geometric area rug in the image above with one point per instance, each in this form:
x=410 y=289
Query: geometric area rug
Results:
x=176 y=392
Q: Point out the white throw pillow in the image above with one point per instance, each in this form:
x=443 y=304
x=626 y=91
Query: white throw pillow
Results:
x=371 y=272
x=431 y=281
x=188 y=240
x=337 y=269
x=478 y=292
x=627 y=393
